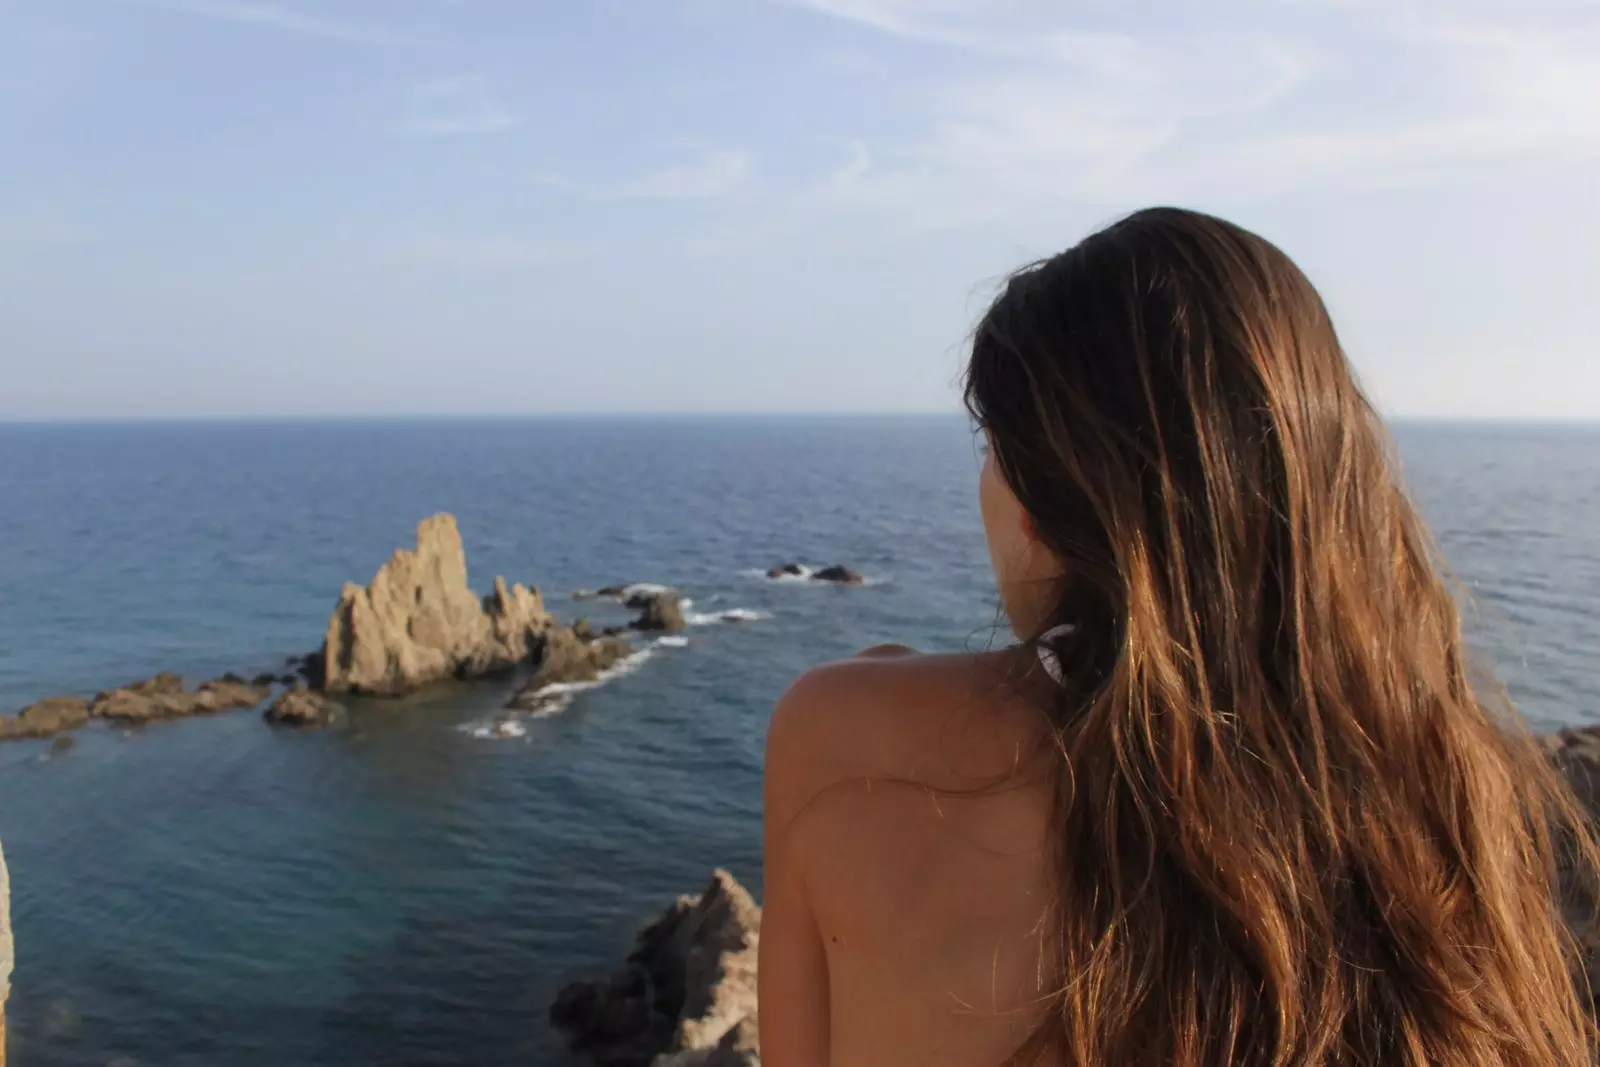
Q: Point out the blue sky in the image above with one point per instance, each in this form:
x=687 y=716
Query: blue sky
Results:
x=256 y=207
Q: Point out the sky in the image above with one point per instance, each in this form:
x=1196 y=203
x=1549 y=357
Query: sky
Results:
x=220 y=208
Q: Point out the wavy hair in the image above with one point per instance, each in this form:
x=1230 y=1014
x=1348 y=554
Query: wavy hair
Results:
x=1296 y=826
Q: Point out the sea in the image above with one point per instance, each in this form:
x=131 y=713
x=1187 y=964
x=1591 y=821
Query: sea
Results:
x=412 y=889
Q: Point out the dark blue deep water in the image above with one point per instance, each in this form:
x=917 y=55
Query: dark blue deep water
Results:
x=400 y=892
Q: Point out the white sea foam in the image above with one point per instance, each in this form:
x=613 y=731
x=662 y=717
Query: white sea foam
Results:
x=672 y=642
x=731 y=615
x=784 y=579
x=557 y=697
x=499 y=730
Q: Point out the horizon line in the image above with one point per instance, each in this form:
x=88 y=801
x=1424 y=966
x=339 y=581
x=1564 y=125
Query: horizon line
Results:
x=533 y=416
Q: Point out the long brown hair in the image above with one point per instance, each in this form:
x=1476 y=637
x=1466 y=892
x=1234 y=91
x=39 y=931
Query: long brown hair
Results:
x=1295 y=825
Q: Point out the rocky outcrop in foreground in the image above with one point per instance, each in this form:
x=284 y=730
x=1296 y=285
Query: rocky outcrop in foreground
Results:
x=419 y=622
x=686 y=996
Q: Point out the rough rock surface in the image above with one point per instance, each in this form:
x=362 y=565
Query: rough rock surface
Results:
x=788 y=570
x=418 y=621
x=839 y=576
x=660 y=612
x=687 y=995
x=301 y=707
x=163 y=697
x=564 y=657
x=160 y=697
x=47 y=717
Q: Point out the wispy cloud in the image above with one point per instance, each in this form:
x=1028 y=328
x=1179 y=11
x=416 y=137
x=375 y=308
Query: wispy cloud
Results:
x=716 y=173
x=1044 y=108
x=994 y=26
x=277 y=18
x=453 y=107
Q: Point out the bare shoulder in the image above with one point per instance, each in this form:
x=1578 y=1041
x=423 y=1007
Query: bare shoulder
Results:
x=890 y=714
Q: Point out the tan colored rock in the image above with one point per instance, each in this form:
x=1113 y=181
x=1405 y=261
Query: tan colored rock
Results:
x=660 y=612
x=517 y=624
x=142 y=702
x=418 y=621
x=565 y=656
x=687 y=997
x=50 y=716
x=301 y=707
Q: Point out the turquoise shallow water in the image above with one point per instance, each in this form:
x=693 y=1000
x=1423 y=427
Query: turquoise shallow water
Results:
x=399 y=892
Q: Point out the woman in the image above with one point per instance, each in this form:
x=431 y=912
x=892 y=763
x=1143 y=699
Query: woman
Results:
x=1236 y=798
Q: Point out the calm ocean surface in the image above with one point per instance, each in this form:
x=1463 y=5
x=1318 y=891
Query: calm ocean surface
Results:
x=212 y=892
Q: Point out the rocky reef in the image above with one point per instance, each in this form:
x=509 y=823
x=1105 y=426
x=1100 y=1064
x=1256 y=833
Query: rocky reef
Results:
x=834 y=575
x=661 y=612
x=149 y=700
x=569 y=655
x=685 y=996
x=418 y=621
x=302 y=707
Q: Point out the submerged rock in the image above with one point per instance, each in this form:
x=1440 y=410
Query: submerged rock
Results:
x=418 y=621
x=301 y=707
x=62 y=743
x=642 y=596
x=685 y=996
x=836 y=574
x=49 y=716
x=839 y=576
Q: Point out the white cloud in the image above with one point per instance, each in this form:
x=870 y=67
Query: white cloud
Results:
x=718 y=173
x=1050 y=107
x=453 y=107
x=964 y=23
x=277 y=18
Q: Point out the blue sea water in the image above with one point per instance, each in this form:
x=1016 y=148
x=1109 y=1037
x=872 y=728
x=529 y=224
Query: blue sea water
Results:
x=399 y=892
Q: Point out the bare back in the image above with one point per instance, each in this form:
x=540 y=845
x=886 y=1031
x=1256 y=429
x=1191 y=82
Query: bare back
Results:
x=907 y=862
